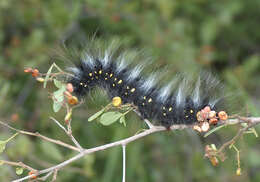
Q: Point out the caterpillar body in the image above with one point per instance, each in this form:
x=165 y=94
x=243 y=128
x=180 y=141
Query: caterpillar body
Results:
x=176 y=103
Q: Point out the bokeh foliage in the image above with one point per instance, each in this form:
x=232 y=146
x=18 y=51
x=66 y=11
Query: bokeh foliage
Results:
x=221 y=36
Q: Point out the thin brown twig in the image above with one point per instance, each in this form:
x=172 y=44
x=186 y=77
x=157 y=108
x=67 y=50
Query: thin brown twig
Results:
x=251 y=123
x=68 y=132
x=19 y=164
x=58 y=142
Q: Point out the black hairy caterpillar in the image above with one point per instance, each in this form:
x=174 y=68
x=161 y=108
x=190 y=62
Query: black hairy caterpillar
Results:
x=177 y=102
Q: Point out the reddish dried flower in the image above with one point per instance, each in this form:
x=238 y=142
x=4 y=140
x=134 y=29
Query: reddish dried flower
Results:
x=197 y=128
x=213 y=121
x=212 y=114
x=199 y=117
x=28 y=70
x=69 y=87
x=223 y=115
x=32 y=172
x=35 y=73
x=205 y=126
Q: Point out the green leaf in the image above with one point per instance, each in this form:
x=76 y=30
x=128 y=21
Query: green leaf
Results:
x=56 y=106
x=58 y=83
x=122 y=120
x=58 y=98
x=96 y=115
x=3 y=143
x=47 y=76
x=58 y=95
x=19 y=170
x=2 y=146
x=109 y=118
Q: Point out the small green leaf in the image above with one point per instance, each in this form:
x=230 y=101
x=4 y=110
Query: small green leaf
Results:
x=122 y=120
x=19 y=170
x=96 y=115
x=109 y=118
x=2 y=146
x=3 y=143
x=56 y=106
x=58 y=95
x=58 y=83
x=47 y=76
x=58 y=98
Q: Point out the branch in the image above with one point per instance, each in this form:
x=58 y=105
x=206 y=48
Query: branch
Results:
x=20 y=164
x=153 y=129
x=58 y=142
x=253 y=121
x=68 y=132
x=99 y=148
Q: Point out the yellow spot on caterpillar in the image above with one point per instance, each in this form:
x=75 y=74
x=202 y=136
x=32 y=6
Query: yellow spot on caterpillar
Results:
x=105 y=78
x=115 y=79
x=191 y=111
x=150 y=100
x=85 y=85
x=90 y=74
x=106 y=73
x=113 y=85
x=92 y=78
x=170 y=109
x=120 y=81
x=110 y=75
x=96 y=77
x=100 y=72
x=164 y=114
x=144 y=97
x=143 y=104
x=126 y=93
x=132 y=90
x=116 y=101
x=127 y=87
x=163 y=108
x=95 y=72
x=187 y=116
x=81 y=83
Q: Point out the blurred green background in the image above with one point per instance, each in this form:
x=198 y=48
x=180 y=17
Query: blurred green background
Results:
x=186 y=35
